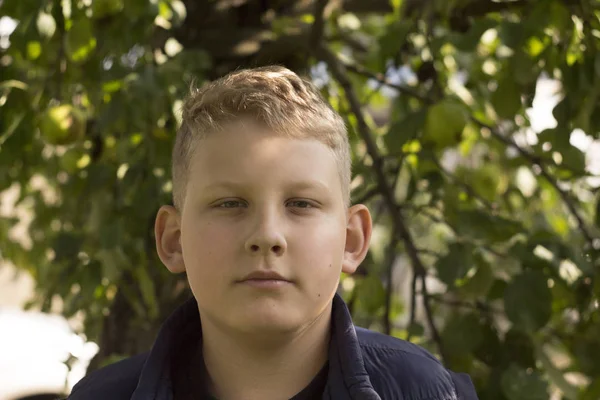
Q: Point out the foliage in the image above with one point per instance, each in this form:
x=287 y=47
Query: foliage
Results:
x=495 y=220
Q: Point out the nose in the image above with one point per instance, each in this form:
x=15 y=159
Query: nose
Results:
x=267 y=237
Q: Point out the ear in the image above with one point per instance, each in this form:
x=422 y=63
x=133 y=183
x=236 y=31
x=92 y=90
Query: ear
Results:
x=167 y=230
x=358 y=237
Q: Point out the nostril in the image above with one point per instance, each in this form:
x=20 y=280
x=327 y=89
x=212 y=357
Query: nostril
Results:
x=254 y=247
x=276 y=249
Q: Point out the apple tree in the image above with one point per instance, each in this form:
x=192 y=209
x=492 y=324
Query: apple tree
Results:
x=474 y=127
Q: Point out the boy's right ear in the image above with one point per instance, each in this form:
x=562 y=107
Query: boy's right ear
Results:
x=167 y=231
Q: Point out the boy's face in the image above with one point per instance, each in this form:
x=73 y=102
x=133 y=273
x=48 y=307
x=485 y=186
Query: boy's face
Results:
x=259 y=203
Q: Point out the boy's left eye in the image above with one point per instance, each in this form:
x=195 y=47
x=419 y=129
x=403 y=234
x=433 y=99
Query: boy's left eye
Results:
x=300 y=204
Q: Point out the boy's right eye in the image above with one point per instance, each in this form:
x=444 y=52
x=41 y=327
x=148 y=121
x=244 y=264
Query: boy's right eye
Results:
x=231 y=204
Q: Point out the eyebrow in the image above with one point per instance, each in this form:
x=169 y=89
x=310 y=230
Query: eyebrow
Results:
x=297 y=185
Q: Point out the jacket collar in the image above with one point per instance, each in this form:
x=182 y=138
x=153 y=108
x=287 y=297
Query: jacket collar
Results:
x=347 y=378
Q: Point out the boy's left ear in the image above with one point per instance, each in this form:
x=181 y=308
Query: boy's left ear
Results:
x=358 y=237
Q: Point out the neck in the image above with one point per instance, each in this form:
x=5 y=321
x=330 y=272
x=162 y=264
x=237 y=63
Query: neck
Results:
x=264 y=366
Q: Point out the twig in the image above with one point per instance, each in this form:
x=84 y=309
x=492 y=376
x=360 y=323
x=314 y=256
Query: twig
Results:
x=534 y=159
x=339 y=73
x=379 y=77
x=390 y=257
x=429 y=252
x=429 y=314
x=316 y=34
x=413 y=304
x=479 y=306
x=464 y=185
x=434 y=218
x=545 y=174
x=58 y=15
x=367 y=196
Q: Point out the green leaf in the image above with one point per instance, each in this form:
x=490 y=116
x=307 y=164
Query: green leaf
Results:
x=520 y=384
x=148 y=291
x=490 y=349
x=394 y=38
x=559 y=138
x=592 y=392
x=528 y=301
x=480 y=283
x=574 y=159
x=462 y=333
x=371 y=294
x=80 y=41
x=519 y=349
x=507 y=97
x=66 y=246
x=597 y=216
x=105 y=8
x=513 y=34
x=416 y=329
x=404 y=130
x=455 y=264
x=478 y=225
x=523 y=68
x=497 y=290
x=468 y=41
x=556 y=375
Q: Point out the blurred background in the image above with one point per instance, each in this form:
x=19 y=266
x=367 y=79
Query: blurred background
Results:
x=474 y=126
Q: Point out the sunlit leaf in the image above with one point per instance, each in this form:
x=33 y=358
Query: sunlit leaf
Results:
x=520 y=384
x=528 y=301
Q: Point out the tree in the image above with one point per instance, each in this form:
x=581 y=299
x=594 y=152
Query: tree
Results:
x=495 y=219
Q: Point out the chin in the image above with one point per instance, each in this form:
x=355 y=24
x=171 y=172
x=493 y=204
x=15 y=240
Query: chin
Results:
x=268 y=322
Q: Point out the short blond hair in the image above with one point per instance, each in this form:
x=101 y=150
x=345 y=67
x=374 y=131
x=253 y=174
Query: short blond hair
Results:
x=274 y=96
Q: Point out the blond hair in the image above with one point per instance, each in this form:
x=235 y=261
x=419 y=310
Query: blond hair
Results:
x=273 y=96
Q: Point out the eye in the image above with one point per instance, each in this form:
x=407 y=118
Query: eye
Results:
x=300 y=204
x=231 y=204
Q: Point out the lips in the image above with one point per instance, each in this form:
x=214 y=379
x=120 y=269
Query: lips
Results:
x=265 y=280
x=264 y=276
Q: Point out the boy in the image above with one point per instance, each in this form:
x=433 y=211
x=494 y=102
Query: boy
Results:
x=262 y=226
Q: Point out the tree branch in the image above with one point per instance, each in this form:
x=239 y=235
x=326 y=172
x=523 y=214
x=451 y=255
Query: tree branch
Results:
x=379 y=77
x=534 y=159
x=434 y=218
x=478 y=305
x=413 y=304
x=61 y=65
x=545 y=174
x=316 y=35
x=470 y=191
x=390 y=258
x=367 y=196
x=430 y=322
x=339 y=73
x=429 y=252
x=479 y=8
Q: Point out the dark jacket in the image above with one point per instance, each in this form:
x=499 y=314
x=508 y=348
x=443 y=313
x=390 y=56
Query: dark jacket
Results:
x=363 y=365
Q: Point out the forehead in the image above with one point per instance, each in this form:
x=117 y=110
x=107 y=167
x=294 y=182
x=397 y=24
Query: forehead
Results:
x=253 y=154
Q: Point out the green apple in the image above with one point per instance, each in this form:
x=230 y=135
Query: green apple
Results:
x=62 y=125
x=444 y=124
x=68 y=161
x=105 y=8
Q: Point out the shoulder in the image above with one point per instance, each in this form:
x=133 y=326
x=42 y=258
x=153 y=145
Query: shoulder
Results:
x=397 y=366
x=115 y=381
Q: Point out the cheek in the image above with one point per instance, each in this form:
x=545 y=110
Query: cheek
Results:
x=323 y=249
x=206 y=247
